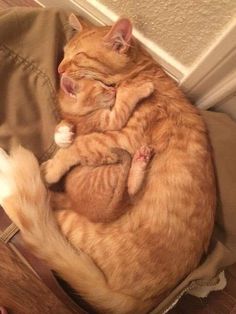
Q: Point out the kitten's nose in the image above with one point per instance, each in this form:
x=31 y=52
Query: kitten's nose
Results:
x=112 y=90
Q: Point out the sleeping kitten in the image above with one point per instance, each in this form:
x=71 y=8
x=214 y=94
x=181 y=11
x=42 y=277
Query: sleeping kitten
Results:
x=88 y=106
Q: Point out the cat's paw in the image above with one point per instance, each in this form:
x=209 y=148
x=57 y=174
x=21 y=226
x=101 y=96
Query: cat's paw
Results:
x=50 y=172
x=64 y=135
x=146 y=89
x=142 y=156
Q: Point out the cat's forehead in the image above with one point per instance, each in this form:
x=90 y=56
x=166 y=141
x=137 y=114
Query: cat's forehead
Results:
x=86 y=40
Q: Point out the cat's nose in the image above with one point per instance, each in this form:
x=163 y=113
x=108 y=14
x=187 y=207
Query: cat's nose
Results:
x=62 y=67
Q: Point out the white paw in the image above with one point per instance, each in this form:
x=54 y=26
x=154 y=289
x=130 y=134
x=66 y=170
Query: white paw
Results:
x=6 y=182
x=63 y=136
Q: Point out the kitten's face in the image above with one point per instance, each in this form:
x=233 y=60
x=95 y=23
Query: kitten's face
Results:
x=86 y=96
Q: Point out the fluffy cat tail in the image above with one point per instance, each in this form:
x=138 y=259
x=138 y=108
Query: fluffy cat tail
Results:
x=25 y=200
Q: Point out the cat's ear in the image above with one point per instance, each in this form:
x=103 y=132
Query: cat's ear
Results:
x=68 y=86
x=119 y=36
x=75 y=23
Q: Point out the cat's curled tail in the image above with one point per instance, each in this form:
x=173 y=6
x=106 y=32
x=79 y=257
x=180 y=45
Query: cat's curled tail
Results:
x=25 y=200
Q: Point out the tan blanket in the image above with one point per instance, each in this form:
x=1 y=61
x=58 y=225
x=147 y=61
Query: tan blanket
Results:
x=31 y=42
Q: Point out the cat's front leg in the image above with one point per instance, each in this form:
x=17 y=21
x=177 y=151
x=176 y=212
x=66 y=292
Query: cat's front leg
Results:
x=136 y=91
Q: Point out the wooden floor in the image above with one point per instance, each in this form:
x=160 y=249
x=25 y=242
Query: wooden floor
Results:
x=223 y=302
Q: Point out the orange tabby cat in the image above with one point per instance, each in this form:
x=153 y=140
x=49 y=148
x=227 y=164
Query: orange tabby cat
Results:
x=130 y=264
x=88 y=106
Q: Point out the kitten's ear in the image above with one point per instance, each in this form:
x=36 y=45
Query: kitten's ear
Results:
x=68 y=86
x=119 y=36
x=75 y=23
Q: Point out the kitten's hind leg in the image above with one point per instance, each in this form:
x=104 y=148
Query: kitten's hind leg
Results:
x=138 y=168
x=119 y=196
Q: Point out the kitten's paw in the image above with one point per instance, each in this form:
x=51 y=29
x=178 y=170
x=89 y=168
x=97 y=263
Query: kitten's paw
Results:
x=143 y=156
x=146 y=89
x=64 y=135
x=50 y=172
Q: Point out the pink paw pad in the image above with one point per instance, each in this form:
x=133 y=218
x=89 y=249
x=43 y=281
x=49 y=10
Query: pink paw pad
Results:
x=144 y=154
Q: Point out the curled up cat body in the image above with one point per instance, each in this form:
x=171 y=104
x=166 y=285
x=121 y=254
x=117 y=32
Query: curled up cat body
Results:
x=100 y=193
x=130 y=264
